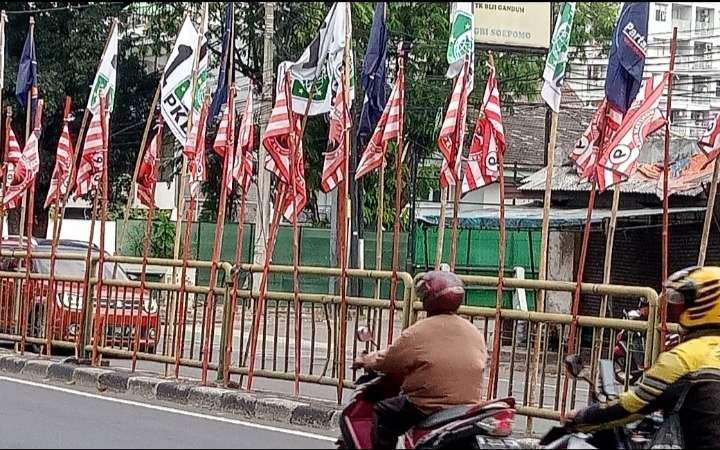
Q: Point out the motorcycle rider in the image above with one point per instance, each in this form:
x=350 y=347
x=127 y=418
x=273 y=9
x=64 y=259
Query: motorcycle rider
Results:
x=440 y=361
x=688 y=373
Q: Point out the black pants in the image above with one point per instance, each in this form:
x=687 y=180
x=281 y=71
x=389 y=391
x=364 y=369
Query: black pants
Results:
x=393 y=417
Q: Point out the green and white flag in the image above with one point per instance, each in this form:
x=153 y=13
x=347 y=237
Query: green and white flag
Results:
x=461 y=43
x=557 y=58
x=321 y=62
x=176 y=87
x=104 y=83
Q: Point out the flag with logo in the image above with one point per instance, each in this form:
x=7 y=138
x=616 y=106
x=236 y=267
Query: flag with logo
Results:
x=619 y=160
x=296 y=195
x=12 y=159
x=147 y=172
x=373 y=72
x=337 y=153
x=453 y=129
x=709 y=142
x=194 y=151
x=321 y=64
x=277 y=134
x=626 y=60
x=387 y=129
x=557 y=58
x=25 y=171
x=176 y=84
x=461 y=44
x=105 y=78
x=64 y=159
x=92 y=161
x=27 y=77
x=243 y=160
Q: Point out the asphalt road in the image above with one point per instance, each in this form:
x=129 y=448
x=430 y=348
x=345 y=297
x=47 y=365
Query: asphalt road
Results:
x=39 y=416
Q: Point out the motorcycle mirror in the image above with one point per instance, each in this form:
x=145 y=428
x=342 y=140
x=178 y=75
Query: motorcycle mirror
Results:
x=574 y=365
x=364 y=334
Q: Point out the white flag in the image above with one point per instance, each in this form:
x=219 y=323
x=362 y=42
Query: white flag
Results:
x=461 y=43
x=557 y=58
x=321 y=62
x=104 y=83
x=176 y=84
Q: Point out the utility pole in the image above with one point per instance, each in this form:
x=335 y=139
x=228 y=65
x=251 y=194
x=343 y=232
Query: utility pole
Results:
x=262 y=214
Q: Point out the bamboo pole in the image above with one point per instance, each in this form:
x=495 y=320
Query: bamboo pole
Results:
x=666 y=195
x=709 y=210
x=379 y=229
x=53 y=248
x=439 y=244
x=6 y=145
x=458 y=169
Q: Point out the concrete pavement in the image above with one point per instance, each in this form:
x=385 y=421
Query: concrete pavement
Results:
x=34 y=415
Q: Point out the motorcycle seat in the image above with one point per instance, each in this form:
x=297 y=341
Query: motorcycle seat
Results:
x=446 y=416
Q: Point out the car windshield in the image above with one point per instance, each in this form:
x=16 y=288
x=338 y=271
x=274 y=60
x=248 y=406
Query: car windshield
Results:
x=75 y=269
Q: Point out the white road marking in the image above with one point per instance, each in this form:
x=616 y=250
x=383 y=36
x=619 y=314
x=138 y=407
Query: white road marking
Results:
x=172 y=410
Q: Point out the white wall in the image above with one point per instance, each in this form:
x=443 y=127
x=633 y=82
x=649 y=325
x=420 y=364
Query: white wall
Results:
x=79 y=229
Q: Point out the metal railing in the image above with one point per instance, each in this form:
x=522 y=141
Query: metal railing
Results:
x=166 y=331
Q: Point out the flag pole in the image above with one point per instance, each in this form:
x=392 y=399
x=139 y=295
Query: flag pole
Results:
x=544 y=241
x=28 y=130
x=709 y=210
x=209 y=316
x=148 y=230
x=457 y=170
x=441 y=228
x=379 y=229
x=102 y=192
x=666 y=194
x=53 y=248
x=399 y=153
x=6 y=149
x=28 y=246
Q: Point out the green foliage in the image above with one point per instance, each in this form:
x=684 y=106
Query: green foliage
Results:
x=162 y=237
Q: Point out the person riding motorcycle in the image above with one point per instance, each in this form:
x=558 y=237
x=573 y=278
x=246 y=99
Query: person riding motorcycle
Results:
x=440 y=361
x=685 y=379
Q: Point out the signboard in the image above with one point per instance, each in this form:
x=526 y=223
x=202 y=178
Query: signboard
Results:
x=513 y=24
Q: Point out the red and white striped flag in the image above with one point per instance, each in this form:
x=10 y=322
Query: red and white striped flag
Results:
x=277 y=136
x=387 y=129
x=12 y=160
x=194 y=151
x=618 y=162
x=585 y=153
x=244 y=158
x=147 y=173
x=61 y=174
x=709 y=142
x=488 y=139
x=450 y=138
x=93 y=157
x=336 y=155
x=295 y=202
x=25 y=170
x=222 y=143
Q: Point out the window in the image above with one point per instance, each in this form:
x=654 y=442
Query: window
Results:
x=660 y=12
x=717 y=89
x=594 y=72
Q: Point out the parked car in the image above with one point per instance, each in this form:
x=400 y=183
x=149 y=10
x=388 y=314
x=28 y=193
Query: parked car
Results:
x=123 y=311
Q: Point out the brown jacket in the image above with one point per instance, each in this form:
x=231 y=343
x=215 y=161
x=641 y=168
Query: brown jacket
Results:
x=441 y=360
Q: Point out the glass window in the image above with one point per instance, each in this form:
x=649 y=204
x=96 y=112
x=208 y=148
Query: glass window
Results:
x=660 y=12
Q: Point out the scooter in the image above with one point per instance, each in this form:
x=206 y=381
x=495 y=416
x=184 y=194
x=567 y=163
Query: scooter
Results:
x=632 y=436
x=478 y=426
x=629 y=351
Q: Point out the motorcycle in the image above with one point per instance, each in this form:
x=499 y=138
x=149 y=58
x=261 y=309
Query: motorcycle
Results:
x=637 y=435
x=479 y=426
x=628 y=356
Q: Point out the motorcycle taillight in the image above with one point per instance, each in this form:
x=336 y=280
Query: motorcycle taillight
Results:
x=500 y=423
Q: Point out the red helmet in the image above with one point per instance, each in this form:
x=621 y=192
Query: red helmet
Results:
x=441 y=292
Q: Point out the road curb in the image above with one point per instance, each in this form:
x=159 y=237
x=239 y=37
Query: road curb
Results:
x=150 y=386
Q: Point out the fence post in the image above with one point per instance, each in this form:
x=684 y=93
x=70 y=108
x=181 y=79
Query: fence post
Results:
x=226 y=331
x=408 y=298
x=88 y=310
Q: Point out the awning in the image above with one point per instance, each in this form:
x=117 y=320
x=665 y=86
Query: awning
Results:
x=526 y=218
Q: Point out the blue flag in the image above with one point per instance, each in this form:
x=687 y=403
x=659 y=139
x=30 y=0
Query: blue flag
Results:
x=221 y=92
x=373 y=73
x=27 y=74
x=627 y=56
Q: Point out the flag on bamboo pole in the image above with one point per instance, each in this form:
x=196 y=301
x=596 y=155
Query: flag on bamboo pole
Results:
x=321 y=64
x=461 y=43
x=386 y=130
x=244 y=158
x=147 y=172
x=277 y=134
x=709 y=142
x=12 y=159
x=557 y=58
x=219 y=98
x=94 y=152
x=64 y=159
x=27 y=77
x=222 y=145
x=619 y=161
x=584 y=154
x=176 y=88
x=489 y=139
x=449 y=138
x=373 y=72
x=105 y=78
x=337 y=153
x=194 y=151
x=295 y=202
